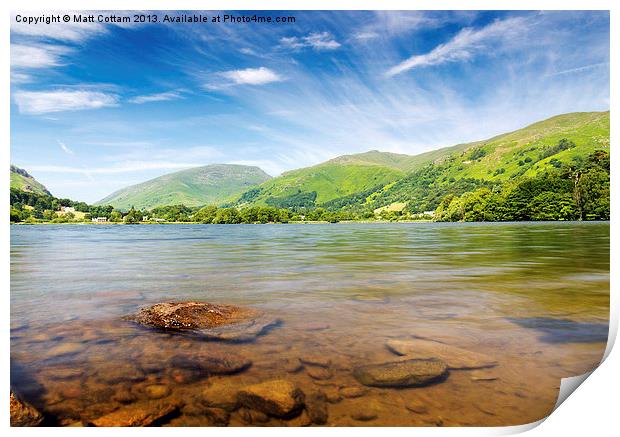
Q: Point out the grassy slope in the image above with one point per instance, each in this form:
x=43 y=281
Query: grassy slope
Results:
x=25 y=182
x=347 y=174
x=211 y=184
x=588 y=130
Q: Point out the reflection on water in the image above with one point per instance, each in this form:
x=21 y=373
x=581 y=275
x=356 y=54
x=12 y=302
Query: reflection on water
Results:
x=565 y=331
x=534 y=296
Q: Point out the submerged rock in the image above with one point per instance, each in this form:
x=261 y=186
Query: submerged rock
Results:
x=416 y=407
x=277 y=398
x=211 y=321
x=252 y=416
x=217 y=416
x=241 y=332
x=455 y=357
x=352 y=392
x=315 y=360
x=364 y=410
x=220 y=396
x=212 y=363
x=316 y=407
x=157 y=391
x=144 y=413
x=24 y=414
x=410 y=373
x=319 y=373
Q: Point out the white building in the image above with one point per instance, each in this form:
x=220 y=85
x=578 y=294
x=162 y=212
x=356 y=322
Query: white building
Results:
x=99 y=219
x=66 y=209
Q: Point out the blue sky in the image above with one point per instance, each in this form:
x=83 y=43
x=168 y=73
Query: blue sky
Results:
x=96 y=107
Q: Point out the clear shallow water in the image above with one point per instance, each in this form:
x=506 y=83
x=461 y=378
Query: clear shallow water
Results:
x=535 y=296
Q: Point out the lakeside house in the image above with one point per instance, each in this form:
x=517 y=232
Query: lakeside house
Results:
x=99 y=219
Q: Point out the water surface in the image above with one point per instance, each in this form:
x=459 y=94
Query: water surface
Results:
x=535 y=296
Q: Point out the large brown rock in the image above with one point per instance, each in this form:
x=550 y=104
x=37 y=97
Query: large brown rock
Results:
x=410 y=373
x=455 y=357
x=277 y=398
x=191 y=315
x=212 y=321
x=24 y=414
x=144 y=413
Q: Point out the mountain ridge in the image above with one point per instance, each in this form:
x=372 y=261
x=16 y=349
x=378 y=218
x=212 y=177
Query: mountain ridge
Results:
x=24 y=181
x=381 y=178
x=213 y=183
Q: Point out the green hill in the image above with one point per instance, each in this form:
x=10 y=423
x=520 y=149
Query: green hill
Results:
x=557 y=142
x=22 y=180
x=211 y=184
x=376 y=179
x=337 y=178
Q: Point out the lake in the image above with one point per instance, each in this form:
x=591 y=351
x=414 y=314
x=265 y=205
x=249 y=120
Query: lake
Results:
x=534 y=297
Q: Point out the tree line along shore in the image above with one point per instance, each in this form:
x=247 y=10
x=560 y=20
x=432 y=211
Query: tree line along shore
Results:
x=575 y=191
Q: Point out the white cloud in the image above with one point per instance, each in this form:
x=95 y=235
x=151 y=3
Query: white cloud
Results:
x=252 y=76
x=159 y=97
x=463 y=45
x=43 y=102
x=316 y=40
x=364 y=36
x=64 y=148
x=17 y=78
x=248 y=51
x=39 y=56
x=580 y=69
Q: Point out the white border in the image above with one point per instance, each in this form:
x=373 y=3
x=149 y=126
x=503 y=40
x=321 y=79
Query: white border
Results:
x=593 y=410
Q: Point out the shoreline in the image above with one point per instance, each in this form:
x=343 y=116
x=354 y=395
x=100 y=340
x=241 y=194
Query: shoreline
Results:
x=306 y=222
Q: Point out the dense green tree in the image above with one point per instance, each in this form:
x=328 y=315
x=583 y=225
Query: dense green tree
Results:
x=227 y=216
x=205 y=214
x=133 y=216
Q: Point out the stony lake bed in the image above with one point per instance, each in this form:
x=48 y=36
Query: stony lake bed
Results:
x=325 y=325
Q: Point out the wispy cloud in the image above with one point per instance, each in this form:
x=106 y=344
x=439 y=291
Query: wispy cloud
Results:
x=366 y=35
x=18 y=78
x=64 y=148
x=463 y=46
x=247 y=76
x=248 y=51
x=158 y=97
x=581 y=69
x=39 y=56
x=315 y=40
x=126 y=167
x=43 y=102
